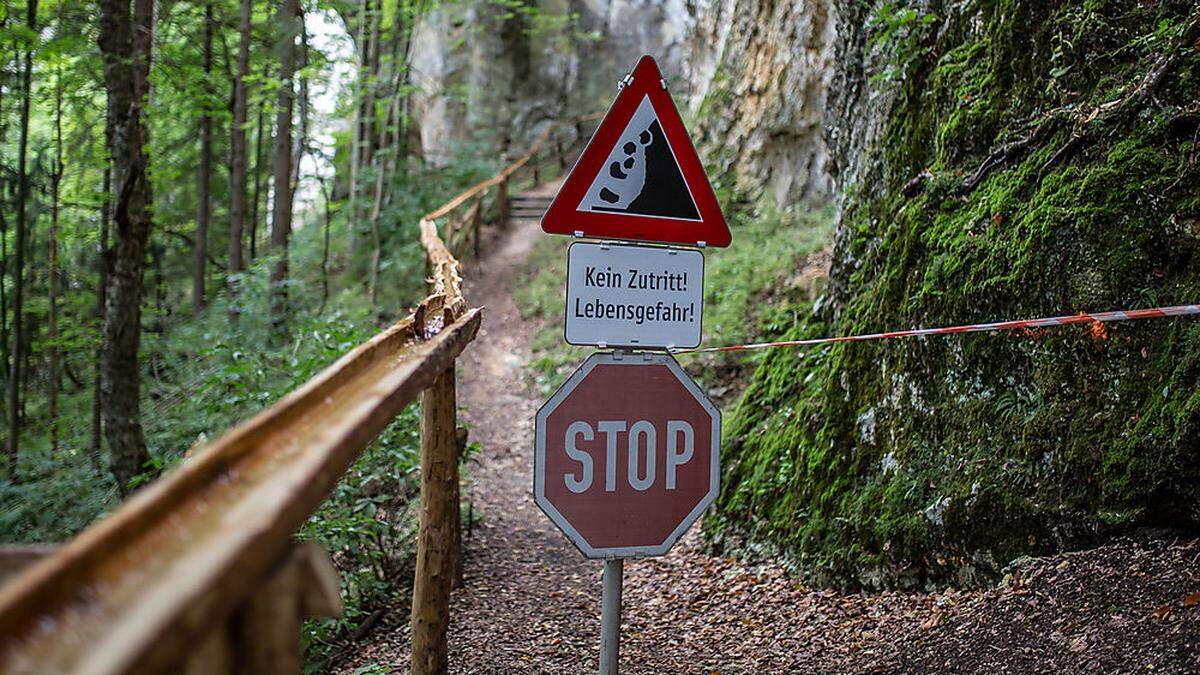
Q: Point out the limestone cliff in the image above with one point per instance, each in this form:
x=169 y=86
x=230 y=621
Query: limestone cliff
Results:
x=759 y=72
x=487 y=71
x=750 y=75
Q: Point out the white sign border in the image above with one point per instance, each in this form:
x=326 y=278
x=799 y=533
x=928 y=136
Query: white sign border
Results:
x=629 y=244
x=539 y=455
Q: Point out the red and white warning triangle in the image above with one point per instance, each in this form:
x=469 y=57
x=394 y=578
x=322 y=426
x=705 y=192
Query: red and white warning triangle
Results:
x=639 y=177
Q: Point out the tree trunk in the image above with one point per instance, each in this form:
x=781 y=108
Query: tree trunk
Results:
x=55 y=183
x=159 y=327
x=373 y=68
x=325 y=247
x=258 y=176
x=301 y=146
x=4 y=343
x=204 y=173
x=125 y=48
x=14 y=379
x=382 y=174
x=360 y=93
x=237 y=144
x=95 y=448
x=385 y=156
x=281 y=215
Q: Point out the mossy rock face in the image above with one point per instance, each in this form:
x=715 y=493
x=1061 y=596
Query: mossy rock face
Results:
x=1024 y=160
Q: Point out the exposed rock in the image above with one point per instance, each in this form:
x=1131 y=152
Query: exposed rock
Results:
x=488 y=72
x=753 y=74
x=760 y=72
x=437 y=70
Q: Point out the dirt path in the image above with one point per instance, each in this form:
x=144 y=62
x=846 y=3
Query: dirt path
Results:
x=531 y=603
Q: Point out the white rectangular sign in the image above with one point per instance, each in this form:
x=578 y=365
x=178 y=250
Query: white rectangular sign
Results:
x=634 y=296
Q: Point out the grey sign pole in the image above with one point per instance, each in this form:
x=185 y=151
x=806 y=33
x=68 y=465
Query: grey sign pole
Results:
x=610 y=616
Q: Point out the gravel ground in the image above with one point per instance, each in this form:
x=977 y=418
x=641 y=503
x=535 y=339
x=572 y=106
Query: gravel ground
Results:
x=531 y=602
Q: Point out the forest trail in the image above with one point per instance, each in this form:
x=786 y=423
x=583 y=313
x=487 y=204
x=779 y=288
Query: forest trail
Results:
x=531 y=603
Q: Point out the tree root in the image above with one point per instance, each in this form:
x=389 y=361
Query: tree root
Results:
x=1123 y=107
x=1114 y=110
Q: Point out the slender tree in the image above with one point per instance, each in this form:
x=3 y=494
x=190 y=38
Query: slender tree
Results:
x=237 y=144
x=17 y=352
x=389 y=153
x=325 y=199
x=383 y=172
x=55 y=184
x=4 y=342
x=373 y=65
x=281 y=215
x=204 y=172
x=95 y=448
x=4 y=333
x=258 y=178
x=125 y=42
x=361 y=122
x=301 y=146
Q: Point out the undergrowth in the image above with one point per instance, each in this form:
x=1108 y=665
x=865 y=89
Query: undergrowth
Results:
x=742 y=283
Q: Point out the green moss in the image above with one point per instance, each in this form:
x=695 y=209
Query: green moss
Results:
x=920 y=461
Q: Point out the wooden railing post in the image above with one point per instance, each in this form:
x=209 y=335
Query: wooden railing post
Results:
x=263 y=634
x=435 y=534
x=502 y=203
x=477 y=223
x=456 y=549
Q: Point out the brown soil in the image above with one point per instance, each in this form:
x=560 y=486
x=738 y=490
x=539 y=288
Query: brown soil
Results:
x=531 y=602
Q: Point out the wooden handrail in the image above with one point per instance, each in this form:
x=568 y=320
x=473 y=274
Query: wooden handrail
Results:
x=142 y=585
x=509 y=170
x=446 y=280
x=438 y=555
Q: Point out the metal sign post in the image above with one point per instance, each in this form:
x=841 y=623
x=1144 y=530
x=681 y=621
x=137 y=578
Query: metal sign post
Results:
x=626 y=459
x=610 y=616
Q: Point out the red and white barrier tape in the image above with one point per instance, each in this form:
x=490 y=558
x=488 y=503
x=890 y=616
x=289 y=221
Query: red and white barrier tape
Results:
x=1082 y=317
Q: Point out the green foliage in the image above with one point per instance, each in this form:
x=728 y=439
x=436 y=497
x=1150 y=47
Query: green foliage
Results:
x=763 y=265
x=900 y=32
x=541 y=296
x=369 y=527
x=203 y=374
x=922 y=461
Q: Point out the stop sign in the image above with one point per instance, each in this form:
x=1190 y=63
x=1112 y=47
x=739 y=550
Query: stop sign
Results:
x=626 y=455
